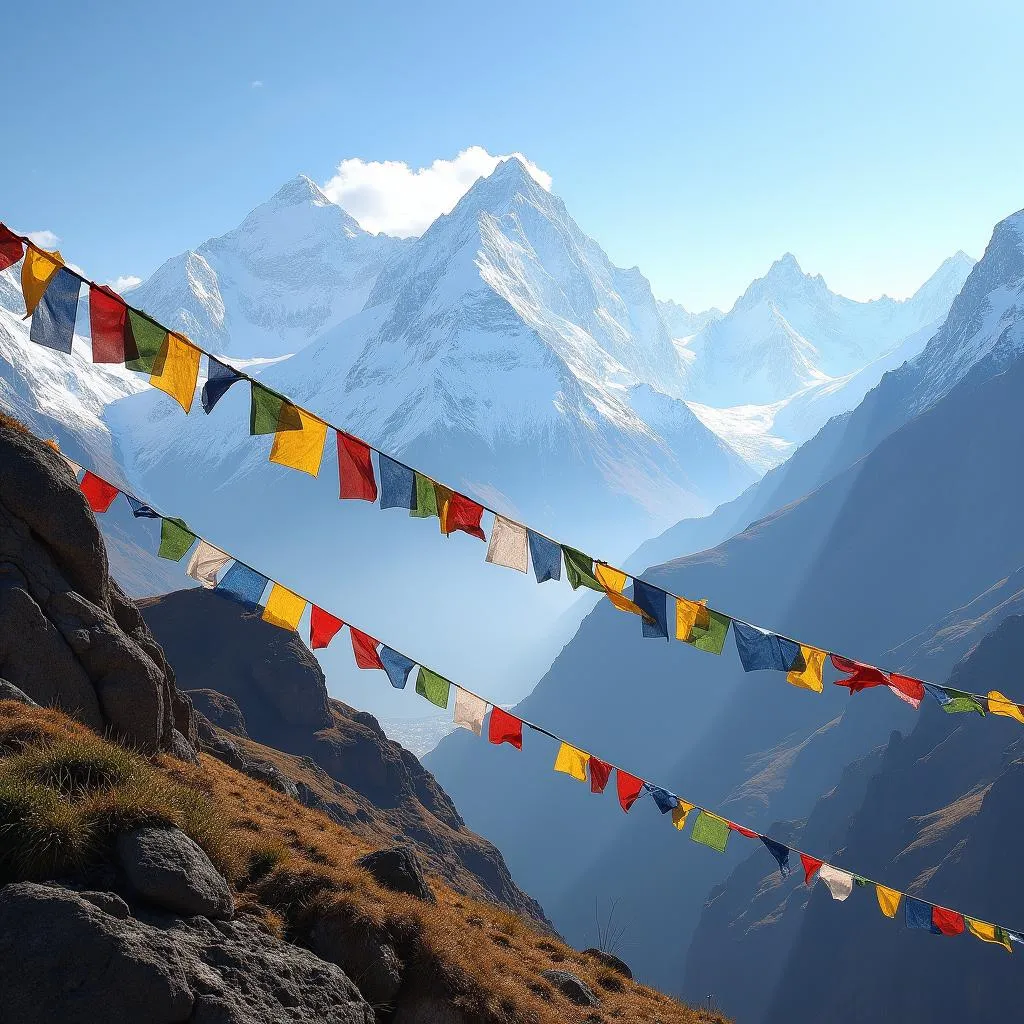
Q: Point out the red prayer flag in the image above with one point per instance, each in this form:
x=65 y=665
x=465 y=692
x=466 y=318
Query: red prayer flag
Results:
x=98 y=493
x=364 y=647
x=505 y=728
x=355 y=468
x=464 y=514
x=810 y=867
x=107 y=313
x=11 y=247
x=948 y=922
x=629 y=787
x=743 y=831
x=599 y=775
x=860 y=676
x=322 y=628
x=912 y=690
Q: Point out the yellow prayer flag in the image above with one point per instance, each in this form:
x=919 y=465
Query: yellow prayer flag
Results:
x=888 y=900
x=1000 y=705
x=176 y=369
x=301 y=449
x=809 y=677
x=688 y=615
x=283 y=608
x=572 y=762
x=36 y=273
x=442 y=498
x=679 y=813
x=989 y=933
x=614 y=582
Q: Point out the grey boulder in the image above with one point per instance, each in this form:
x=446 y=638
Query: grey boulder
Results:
x=398 y=869
x=575 y=990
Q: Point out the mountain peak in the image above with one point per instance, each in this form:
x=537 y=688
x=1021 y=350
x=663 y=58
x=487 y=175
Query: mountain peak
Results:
x=300 y=189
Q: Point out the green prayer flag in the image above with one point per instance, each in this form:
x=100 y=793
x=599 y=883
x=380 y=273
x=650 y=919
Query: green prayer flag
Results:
x=432 y=686
x=270 y=413
x=579 y=570
x=175 y=539
x=146 y=343
x=426 y=497
x=711 y=830
x=960 y=702
x=712 y=638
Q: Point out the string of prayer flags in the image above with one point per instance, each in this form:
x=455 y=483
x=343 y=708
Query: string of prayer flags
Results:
x=355 y=468
x=505 y=728
x=243 y=584
x=998 y=704
x=397 y=666
x=284 y=607
x=546 y=556
x=470 y=711
x=888 y=900
x=141 y=510
x=99 y=495
x=463 y=514
x=579 y=570
x=807 y=670
x=680 y=813
x=219 y=377
x=426 y=498
x=144 y=340
x=176 y=370
x=432 y=686
x=779 y=852
x=107 y=318
x=364 y=650
x=397 y=484
x=653 y=604
x=269 y=413
x=840 y=883
x=303 y=448
x=761 y=649
x=989 y=933
x=572 y=761
x=323 y=627
x=711 y=830
x=175 y=539
x=53 y=325
x=38 y=269
x=811 y=867
x=628 y=787
x=508 y=545
x=614 y=582
x=600 y=773
x=11 y=247
x=665 y=801
x=205 y=563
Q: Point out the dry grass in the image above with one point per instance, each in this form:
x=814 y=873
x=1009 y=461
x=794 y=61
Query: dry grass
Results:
x=290 y=865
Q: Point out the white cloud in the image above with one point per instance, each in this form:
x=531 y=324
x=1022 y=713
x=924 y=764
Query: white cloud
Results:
x=257 y=84
x=44 y=239
x=392 y=197
x=125 y=283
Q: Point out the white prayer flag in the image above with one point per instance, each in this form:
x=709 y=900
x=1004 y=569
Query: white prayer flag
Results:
x=469 y=711
x=205 y=563
x=508 y=544
x=840 y=883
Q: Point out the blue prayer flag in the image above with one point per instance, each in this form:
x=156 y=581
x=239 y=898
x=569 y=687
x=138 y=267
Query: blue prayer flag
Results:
x=919 y=915
x=397 y=485
x=938 y=693
x=397 y=666
x=760 y=649
x=53 y=322
x=547 y=557
x=654 y=602
x=665 y=800
x=779 y=852
x=141 y=511
x=243 y=584
x=219 y=378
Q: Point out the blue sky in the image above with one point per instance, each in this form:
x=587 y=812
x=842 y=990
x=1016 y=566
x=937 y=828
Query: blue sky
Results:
x=698 y=140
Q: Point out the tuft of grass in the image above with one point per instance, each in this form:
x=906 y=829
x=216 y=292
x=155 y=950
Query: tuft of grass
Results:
x=74 y=766
x=263 y=856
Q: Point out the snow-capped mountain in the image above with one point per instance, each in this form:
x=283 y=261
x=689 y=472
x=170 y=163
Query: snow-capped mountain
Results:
x=295 y=267
x=681 y=323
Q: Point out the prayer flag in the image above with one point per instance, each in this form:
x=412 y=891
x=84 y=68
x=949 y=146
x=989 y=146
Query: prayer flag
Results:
x=989 y=933
x=53 y=324
x=745 y=832
x=780 y=853
x=861 y=677
x=323 y=627
x=888 y=900
x=761 y=649
x=442 y=496
x=599 y=775
x=918 y=914
x=426 y=497
x=243 y=584
x=355 y=468
x=546 y=556
x=464 y=514
x=205 y=563
x=219 y=377
x=99 y=495
x=37 y=271
x=364 y=649
x=72 y=465
x=284 y=608
x=840 y=883
x=432 y=686
x=679 y=814
x=397 y=666
x=807 y=672
x=176 y=370
x=954 y=701
x=1001 y=705
x=629 y=788
x=11 y=247
x=909 y=690
x=144 y=341
x=270 y=413
x=946 y=922
x=397 y=484
x=711 y=830
x=579 y=570
x=614 y=582
x=687 y=615
x=505 y=728
x=572 y=762
x=811 y=866
x=107 y=319
x=508 y=544
x=175 y=539
x=700 y=626
x=665 y=801
x=469 y=711
x=301 y=449
x=140 y=510
x=653 y=603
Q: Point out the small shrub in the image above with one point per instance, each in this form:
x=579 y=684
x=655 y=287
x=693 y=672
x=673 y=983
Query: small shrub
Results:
x=74 y=766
